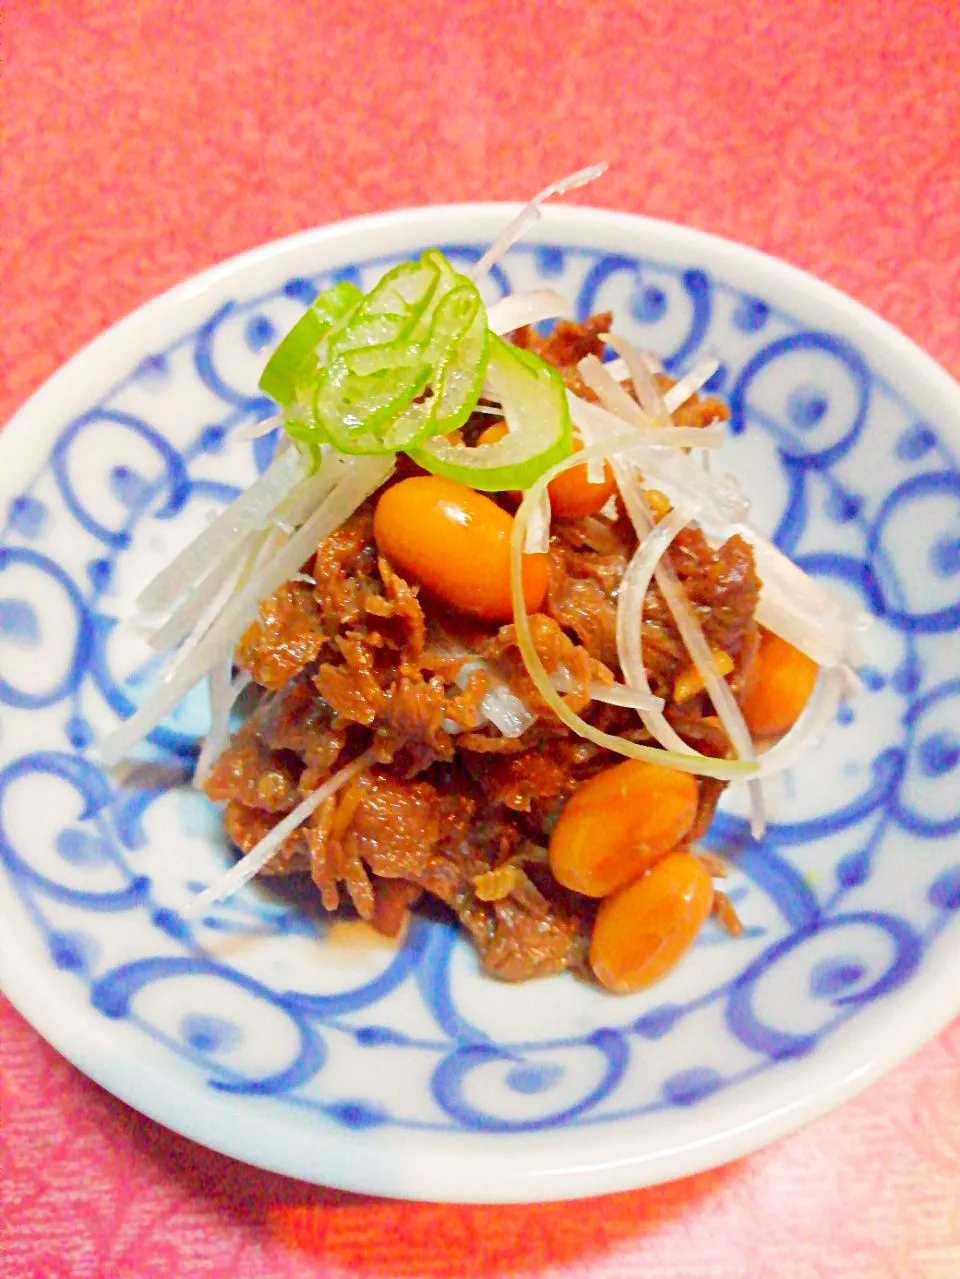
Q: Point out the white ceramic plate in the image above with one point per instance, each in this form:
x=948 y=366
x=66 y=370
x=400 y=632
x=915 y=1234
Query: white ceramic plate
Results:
x=267 y=1034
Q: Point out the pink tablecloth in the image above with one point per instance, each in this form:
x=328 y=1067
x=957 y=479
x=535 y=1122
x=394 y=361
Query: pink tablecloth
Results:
x=145 y=140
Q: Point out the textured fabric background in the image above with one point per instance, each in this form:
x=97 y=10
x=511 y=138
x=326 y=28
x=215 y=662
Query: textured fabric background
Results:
x=145 y=140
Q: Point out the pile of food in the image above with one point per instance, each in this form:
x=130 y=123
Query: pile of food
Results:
x=501 y=638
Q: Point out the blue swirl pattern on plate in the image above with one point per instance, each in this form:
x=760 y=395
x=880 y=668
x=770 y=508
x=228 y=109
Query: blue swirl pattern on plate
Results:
x=829 y=931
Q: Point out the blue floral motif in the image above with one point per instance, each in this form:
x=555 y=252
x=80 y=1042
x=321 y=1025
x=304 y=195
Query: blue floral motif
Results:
x=812 y=891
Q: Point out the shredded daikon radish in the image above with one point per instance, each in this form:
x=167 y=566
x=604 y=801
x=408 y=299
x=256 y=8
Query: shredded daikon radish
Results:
x=200 y=609
x=631 y=491
x=717 y=689
x=224 y=693
x=264 y=548
x=669 y=468
x=644 y=387
x=538 y=529
x=678 y=475
x=630 y=603
x=792 y=604
x=796 y=607
x=247 y=514
x=595 y=422
x=302 y=501
x=258 y=856
x=499 y=705
x=518 y=309
x=721 y=768
x=622 y=695
x=689 y=384
x=682 y=390
x=505 y=711
x=530 y=214
x=254 y=430
x=817 y=716
x=610 y=694
x=612 y=394
x=361 y=476
x=584 y=428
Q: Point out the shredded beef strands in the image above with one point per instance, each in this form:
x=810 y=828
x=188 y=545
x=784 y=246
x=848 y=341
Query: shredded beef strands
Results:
x=453 y=809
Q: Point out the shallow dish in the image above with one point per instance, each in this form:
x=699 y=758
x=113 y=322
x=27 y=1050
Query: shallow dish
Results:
x=267 y=1033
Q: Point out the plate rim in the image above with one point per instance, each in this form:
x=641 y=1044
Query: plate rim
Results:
x=427 y=1176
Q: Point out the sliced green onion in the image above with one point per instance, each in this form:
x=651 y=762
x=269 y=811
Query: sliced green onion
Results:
x=352 y=411
x=366 y=360
x=403 y=367
x=456 y=352
x=368 y=333
x=703 y=765
x=405 y=362
x=534 y=402
x=405 y=290
x=461 y=314
x=295 y=359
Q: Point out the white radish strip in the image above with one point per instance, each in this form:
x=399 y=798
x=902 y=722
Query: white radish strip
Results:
x=630 y=603
x=538 y=530
x=668 y=468
x=792 y=604
x=689 y=384
x=202 y=606
x=718 y=690
x=499 y=704
x=518 y=309
x=223 y=698
x=686 y=763
x=682 y=390
x=306 y=497
x=595 y=422
x=644 y=387
x=678 y=474
x=797 y=608
x=260 y=854
x=361 y=477
x=677 y=469
x=506 y=712
x=817 y=717
x=265 y=548
x=254 y=430
x=621 y=695
x=585 y=428
x=581 y=178
x=262 y=549
x=612 y=394
x=248 y=513
x=527 y=217
x=618 y=369
x=634 y=699
x=530 y=214
x=561 y=679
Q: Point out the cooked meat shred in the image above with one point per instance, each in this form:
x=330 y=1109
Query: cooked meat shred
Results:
x=454 y=810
